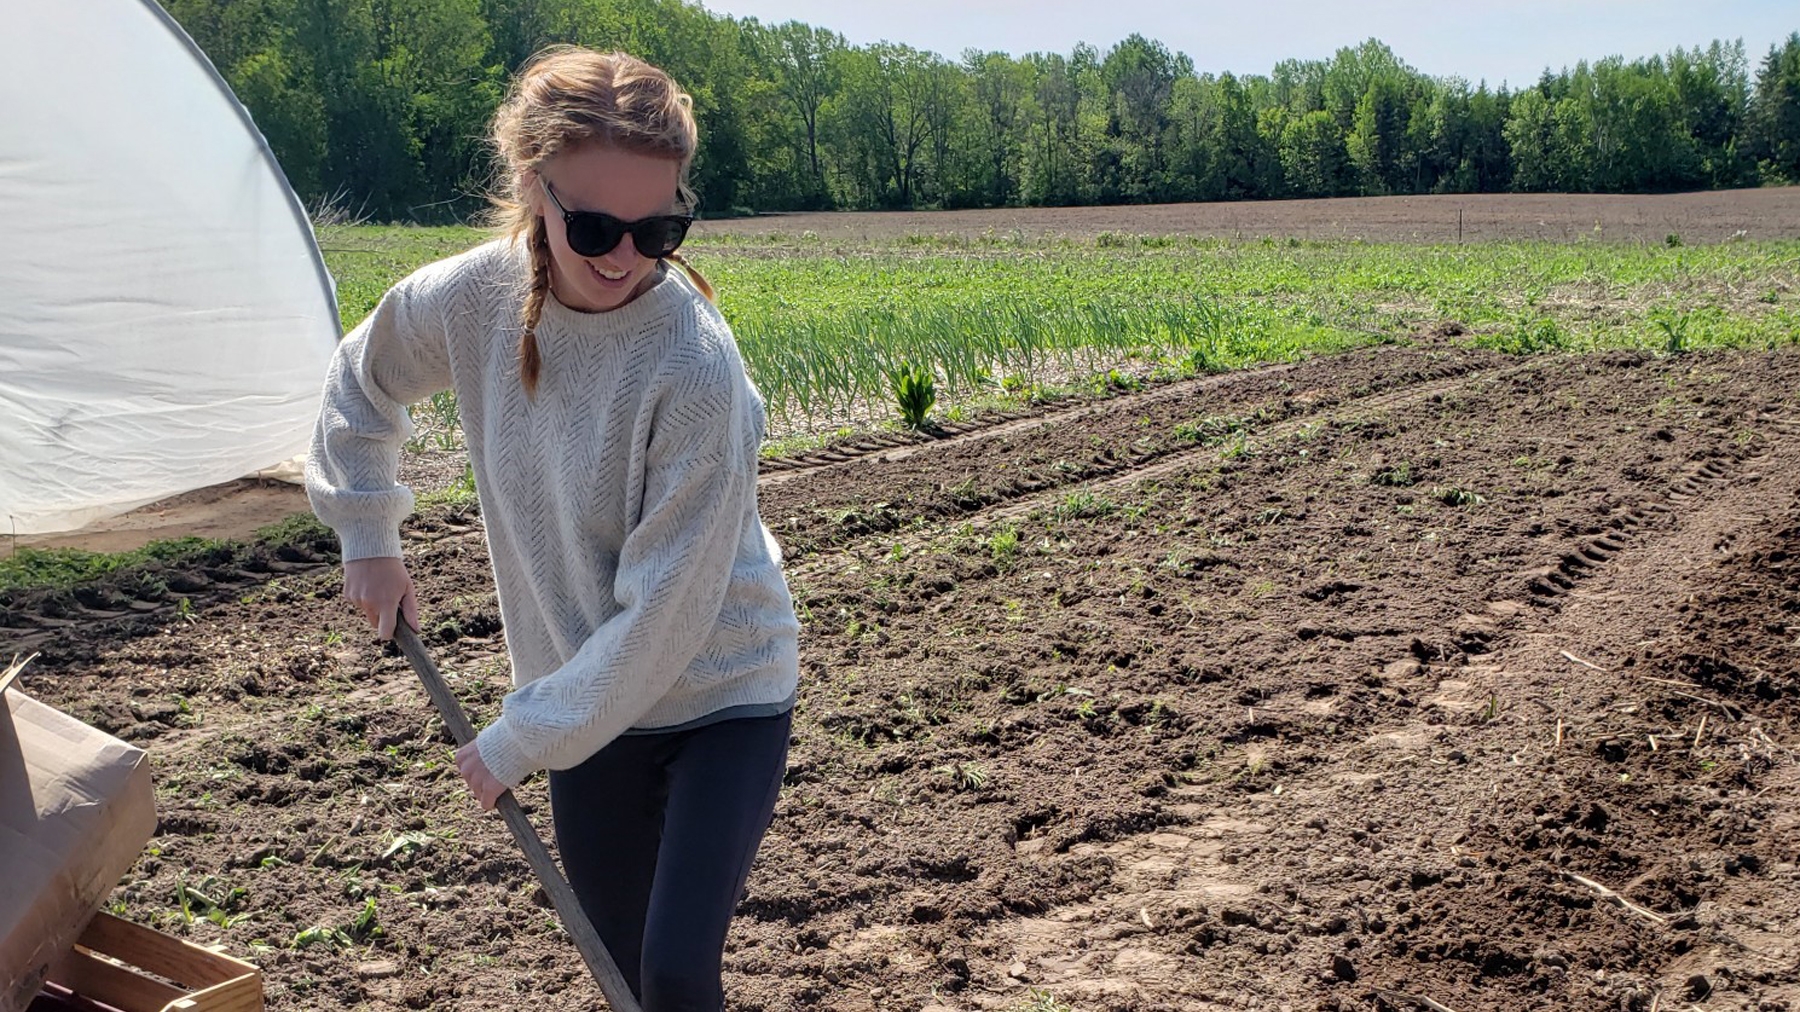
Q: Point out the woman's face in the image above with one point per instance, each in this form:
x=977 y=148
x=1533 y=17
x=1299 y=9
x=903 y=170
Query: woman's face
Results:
x=626 y=185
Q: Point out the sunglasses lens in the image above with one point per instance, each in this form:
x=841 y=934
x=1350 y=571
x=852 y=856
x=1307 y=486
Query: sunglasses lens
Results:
x=594 y=235
x=658 y=237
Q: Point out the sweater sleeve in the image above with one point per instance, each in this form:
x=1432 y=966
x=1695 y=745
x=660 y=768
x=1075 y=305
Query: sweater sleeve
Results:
x=673 y=571
x=395 y=357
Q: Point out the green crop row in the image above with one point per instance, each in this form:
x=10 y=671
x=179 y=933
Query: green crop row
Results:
x=824 y=324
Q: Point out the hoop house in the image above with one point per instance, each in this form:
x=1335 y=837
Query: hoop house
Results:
x=165 y=318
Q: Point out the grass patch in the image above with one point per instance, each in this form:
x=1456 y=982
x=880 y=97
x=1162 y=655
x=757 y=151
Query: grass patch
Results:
x=64 y=568
x=60 y=568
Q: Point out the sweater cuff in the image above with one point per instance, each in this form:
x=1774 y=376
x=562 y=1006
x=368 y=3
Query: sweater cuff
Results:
x=369 y=539
x=504 y=754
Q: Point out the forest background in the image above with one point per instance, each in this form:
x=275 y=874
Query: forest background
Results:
x=379 y=108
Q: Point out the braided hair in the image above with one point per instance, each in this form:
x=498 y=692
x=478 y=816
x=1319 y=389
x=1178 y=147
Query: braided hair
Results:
x=563 y=97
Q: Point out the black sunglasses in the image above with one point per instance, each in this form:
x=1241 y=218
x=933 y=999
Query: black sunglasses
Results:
x=594 y=234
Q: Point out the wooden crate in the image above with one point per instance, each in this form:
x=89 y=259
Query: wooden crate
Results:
x=131 y=967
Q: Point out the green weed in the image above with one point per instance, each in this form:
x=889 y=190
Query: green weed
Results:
x=964 y=776
x=1398 y=476
x=1003 y=547
x=915 y=391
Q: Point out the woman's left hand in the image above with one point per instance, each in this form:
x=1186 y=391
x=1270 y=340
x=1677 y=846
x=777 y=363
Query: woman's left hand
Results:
x=475 y=773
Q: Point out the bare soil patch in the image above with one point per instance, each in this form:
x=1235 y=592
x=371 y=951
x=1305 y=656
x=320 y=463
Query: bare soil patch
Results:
x=1769 y=213
x=1414 y=674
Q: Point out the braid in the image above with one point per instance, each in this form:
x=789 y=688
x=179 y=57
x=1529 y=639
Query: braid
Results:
x=700 y=282
x=530 y=361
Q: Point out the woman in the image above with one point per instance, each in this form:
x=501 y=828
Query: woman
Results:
x=613 y=435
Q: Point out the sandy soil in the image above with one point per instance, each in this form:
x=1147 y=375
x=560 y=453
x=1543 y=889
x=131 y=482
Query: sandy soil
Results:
x=1412 y=675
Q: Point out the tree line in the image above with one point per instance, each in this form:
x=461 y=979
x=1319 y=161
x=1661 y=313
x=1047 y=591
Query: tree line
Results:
x=381 y=107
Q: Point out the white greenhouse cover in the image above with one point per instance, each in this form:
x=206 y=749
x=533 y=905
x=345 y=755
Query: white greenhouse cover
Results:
x=165 y=318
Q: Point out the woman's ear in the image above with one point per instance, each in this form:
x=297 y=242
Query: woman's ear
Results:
x=531 y=192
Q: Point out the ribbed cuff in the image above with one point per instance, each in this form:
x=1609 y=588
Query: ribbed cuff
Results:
x=369 y=539
x=504 y=753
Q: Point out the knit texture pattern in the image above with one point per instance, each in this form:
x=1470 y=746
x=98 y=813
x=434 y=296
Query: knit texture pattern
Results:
x=637 y=583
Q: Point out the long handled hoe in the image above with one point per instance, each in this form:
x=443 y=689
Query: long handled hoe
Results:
x=593 y=951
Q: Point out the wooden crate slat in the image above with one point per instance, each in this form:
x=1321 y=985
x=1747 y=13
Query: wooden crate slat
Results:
x=183 y=962
x=240 y=994
x=105 y=965
x=104 y=981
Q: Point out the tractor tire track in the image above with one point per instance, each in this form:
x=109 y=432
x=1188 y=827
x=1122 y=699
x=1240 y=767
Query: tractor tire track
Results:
x=779 y=470
x=828 y=507
x=1158 y=466
x=1505 y=771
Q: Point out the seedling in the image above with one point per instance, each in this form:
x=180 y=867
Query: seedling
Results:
x=1674 y=327
x=1043 y=1001
x=410 y=844
x=322 y=935
x=1398 y=476
x=915 y=391
x=1003 y=545
x=366 y=926
x=1452 y=496
x=1084 y=505
x=964 y=776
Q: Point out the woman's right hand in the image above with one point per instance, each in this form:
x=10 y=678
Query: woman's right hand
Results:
x=381 y=588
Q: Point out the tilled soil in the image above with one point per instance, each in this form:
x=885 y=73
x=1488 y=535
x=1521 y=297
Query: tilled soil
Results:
x=1766 y=213
x=1416 y=677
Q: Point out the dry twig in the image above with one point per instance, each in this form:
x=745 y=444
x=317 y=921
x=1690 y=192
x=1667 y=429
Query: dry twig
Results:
x=1400 y=998
x=1585 y=664
x=1679 y=689
x=1616 y=899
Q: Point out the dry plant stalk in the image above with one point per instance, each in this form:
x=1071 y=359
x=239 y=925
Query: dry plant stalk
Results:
x=1585 y=664
x=1616 y=899
x=1398 y=998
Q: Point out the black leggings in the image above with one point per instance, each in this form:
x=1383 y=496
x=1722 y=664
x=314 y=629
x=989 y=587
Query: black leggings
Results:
x=657 y=832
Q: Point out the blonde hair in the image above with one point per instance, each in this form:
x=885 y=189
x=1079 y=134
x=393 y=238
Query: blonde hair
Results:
x=567 y=96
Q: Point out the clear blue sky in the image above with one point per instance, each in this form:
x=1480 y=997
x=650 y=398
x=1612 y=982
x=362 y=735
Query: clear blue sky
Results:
x=1496 y=40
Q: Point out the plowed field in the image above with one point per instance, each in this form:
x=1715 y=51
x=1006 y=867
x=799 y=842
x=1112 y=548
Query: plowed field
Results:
x=1412 y=678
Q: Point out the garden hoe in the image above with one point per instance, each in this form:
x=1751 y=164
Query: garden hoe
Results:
x=593 y=951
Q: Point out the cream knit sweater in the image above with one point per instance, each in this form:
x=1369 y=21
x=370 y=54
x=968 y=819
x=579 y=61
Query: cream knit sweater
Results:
x=637 y=584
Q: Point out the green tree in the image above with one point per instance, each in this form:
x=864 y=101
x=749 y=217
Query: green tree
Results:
x=1222 y=154
x=1774 y=115
x=806 y=69
x=1140 y=75
x=1001 y=87
x=1378 y=140
x=882 y=122
x=1547 y=140
x=1056 y=109
x=1712 y=89
x=290 y=115
x=1313 y=158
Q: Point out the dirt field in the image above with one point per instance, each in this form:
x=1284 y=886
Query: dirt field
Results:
x=1771 y=213
x=1414 y=678
x=240 y=509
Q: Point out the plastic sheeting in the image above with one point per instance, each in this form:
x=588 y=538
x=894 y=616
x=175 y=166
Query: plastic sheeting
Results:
x=165 y=319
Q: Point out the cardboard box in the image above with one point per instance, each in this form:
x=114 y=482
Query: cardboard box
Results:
x=131 y=968
x=76 y=809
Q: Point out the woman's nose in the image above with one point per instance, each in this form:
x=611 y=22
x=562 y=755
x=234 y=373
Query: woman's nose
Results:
x=622 y=257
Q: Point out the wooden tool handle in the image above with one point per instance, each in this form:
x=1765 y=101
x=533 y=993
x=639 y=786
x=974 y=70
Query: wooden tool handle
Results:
x=575 y=922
